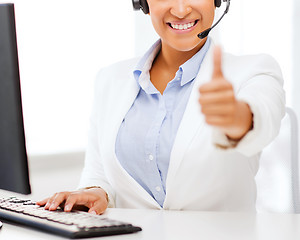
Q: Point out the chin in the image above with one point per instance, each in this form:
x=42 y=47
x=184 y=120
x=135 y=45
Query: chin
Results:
x=186 y=46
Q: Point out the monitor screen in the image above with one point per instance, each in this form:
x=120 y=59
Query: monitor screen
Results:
x=13 y=157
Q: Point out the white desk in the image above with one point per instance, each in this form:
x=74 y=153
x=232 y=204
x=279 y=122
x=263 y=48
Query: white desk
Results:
x=179 y=225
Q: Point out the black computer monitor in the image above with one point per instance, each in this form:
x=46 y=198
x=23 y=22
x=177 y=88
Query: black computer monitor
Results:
x=13 y=157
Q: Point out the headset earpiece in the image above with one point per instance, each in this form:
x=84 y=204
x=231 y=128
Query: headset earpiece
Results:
x=218 y=3
x=142 y=4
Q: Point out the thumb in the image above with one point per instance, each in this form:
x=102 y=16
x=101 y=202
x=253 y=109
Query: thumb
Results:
x=217 y=71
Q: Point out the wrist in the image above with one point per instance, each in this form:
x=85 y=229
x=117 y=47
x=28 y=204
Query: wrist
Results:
x=243 y=122
x=100 y=189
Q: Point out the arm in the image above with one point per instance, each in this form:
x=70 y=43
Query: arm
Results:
x=249 y=118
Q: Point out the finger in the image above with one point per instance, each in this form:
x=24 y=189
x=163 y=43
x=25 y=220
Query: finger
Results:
x=49 y=202
x=58 y=199
x=218 y=109
x=70 y=202
x=76 y=199
x=214 y=86
x=42 y=202
x=217 y=71
x=219 y=120
x=216 y=98
x=98 y=208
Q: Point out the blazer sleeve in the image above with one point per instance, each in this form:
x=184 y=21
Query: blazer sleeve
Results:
x=261 y=87
x=93 y=173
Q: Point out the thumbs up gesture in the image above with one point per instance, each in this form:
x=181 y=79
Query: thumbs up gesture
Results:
x=220 y=106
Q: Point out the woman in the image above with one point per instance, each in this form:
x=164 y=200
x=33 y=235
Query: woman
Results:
x=183 y=126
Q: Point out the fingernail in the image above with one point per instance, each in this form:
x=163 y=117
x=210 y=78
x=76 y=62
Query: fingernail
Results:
x=67 y=207
x=93 y=212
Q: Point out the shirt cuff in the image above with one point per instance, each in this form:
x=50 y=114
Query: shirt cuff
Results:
x=221 y=141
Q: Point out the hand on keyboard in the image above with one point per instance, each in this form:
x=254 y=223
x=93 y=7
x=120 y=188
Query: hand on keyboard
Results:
x=73 y=224
x=95 y=199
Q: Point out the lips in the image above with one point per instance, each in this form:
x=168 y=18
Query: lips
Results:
x=182 y=25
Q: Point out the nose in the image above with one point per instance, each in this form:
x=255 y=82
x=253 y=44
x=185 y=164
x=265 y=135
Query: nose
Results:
x=180 y=8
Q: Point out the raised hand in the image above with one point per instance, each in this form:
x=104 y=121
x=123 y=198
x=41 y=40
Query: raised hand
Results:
x=220 y=106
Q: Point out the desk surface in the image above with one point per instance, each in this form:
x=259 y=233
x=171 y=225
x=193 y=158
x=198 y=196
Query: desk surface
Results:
x=173 y=225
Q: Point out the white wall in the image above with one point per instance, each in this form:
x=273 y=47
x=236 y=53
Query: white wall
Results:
x=54 y=173
x=144 y=33
x=296 y=56
x=261 y=26
x=62 y=44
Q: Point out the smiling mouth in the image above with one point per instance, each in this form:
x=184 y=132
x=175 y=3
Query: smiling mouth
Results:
x=184 y=26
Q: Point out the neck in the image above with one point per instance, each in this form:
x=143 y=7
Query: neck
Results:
x=171 y=58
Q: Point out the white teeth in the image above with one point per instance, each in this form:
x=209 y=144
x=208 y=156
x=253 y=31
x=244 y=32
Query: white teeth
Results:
x=183 y=26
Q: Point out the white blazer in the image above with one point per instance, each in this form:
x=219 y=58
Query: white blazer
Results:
x=201 y=176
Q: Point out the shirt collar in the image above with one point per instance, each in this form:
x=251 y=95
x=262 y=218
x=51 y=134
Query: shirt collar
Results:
x=186 y=72
x=191 y=67
x=141 y=71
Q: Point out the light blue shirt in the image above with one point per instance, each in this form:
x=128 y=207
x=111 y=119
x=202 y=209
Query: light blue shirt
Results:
x=147 y=133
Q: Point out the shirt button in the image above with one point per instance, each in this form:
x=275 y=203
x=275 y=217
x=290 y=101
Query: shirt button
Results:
x=157 y=188
x=151 y=157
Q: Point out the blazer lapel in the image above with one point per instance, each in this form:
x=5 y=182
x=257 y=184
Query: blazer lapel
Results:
x=192 y=119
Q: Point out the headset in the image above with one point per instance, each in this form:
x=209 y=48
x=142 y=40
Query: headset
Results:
x=143 y=5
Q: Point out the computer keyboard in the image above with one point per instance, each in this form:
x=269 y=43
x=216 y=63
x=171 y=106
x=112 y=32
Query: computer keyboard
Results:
x=75 y=224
